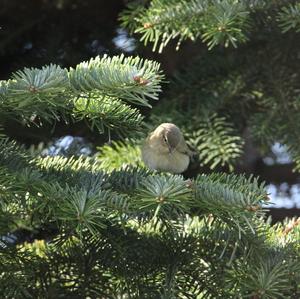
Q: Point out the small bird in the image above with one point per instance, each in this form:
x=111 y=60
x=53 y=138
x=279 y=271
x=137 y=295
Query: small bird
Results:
x=165 y=149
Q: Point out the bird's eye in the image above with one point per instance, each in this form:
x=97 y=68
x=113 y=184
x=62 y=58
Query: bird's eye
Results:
x=165 y=139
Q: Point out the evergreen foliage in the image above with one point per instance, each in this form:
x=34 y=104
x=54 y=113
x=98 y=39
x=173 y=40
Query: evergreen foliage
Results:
x=98 y=87
x=120 y=154
x=253 y=89
x=107 y=227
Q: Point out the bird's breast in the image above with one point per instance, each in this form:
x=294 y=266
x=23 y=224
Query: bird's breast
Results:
x=174 y=162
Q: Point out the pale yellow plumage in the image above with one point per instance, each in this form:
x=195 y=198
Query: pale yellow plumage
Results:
x=165 y=149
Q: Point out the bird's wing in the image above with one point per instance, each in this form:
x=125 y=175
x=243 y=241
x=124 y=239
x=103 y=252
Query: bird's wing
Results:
x=183 y=148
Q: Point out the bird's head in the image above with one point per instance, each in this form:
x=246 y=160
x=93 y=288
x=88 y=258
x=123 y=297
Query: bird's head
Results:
x=169 y=136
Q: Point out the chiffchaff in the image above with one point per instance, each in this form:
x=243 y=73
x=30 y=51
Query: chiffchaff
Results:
x=165 y=149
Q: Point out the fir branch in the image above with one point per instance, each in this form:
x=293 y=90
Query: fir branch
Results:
x=128 y=78
x=49 y=80
x=226 y=24
x=289 y=18
x=101 y=112
x=233 y=199
x=220 y=22
x=216 y=142
x=166 y=20
x=93 y=88
x=119 y=155
x=60 y=163
x=127 y=180
x=129 y=16
x=12 y=155
x=163 y=196
x=79 y=209
x=268 y=279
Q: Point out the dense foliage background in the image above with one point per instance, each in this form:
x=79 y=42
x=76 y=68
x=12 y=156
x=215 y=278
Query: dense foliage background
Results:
x=36 y=33
x=103 y=226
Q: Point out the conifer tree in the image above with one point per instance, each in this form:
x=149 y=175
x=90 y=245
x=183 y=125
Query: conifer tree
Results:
x=244 y=82
x=115 y=229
